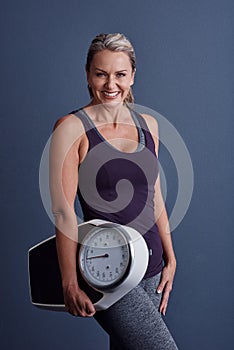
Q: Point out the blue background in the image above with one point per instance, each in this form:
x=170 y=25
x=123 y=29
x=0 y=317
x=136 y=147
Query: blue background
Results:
x=185 y=72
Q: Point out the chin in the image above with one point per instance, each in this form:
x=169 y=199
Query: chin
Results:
x=111 y=102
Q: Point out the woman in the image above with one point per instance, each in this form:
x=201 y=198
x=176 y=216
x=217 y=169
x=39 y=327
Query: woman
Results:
x=107 y=134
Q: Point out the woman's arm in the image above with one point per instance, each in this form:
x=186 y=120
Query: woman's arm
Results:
x=169 y=269
x=64 y=162
x=162 y=222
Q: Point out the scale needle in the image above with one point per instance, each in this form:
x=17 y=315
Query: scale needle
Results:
x=98 y=256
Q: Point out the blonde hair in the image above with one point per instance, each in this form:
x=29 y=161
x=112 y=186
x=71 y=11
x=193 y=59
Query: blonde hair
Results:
x=113 y=42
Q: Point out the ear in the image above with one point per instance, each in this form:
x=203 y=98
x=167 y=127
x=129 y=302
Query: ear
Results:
x=87 y=75
x=133 y=76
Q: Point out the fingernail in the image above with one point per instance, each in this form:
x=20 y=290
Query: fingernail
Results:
x=159 y=291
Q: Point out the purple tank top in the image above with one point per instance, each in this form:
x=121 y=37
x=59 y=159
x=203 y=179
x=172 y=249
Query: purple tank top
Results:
x=119 y=186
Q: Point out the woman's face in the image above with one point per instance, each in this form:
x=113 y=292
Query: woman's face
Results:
x=110 y=76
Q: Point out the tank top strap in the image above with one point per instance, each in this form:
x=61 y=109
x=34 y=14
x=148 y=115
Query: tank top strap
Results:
x=149 y=141
x=90 y=128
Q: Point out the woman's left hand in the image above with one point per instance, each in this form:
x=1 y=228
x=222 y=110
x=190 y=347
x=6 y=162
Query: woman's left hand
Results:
x=165 y=285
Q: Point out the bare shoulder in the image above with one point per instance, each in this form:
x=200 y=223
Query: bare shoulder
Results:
x=69 y=121
x=151 y=123
x=69 y=126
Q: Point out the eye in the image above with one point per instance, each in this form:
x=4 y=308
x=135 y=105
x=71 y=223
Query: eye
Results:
x=100 y=74
x=120 y=75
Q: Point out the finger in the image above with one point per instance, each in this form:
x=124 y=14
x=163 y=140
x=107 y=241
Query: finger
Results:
x=90 y=309
x=161 y=286
x=164 y=303
x=164 y=309
x=82 y=310
x=165 y=299
x=165 y=287
x=90 y=314
x=74 y=309
x=86 y=313
x=86 y=309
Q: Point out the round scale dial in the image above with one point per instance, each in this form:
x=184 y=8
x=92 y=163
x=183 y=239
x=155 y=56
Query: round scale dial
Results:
x=104 y=257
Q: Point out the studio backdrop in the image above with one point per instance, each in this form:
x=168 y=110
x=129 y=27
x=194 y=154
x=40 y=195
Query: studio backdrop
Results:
x=185 y=74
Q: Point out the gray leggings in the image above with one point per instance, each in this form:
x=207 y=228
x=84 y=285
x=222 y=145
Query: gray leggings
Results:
x=134 y=322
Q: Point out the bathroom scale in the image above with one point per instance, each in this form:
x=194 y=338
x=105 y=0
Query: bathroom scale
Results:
x=111 y=260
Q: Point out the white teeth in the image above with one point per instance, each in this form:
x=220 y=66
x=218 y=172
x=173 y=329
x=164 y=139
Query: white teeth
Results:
x=111 y=94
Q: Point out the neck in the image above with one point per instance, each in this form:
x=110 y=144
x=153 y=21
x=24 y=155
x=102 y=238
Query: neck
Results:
x=107 y=112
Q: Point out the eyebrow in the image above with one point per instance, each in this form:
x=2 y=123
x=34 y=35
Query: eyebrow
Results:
x=119 y=71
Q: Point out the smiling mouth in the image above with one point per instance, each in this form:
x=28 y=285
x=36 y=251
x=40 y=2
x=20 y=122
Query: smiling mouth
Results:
x=111 y=94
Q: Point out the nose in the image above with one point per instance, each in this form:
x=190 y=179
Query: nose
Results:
x=110 y=83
